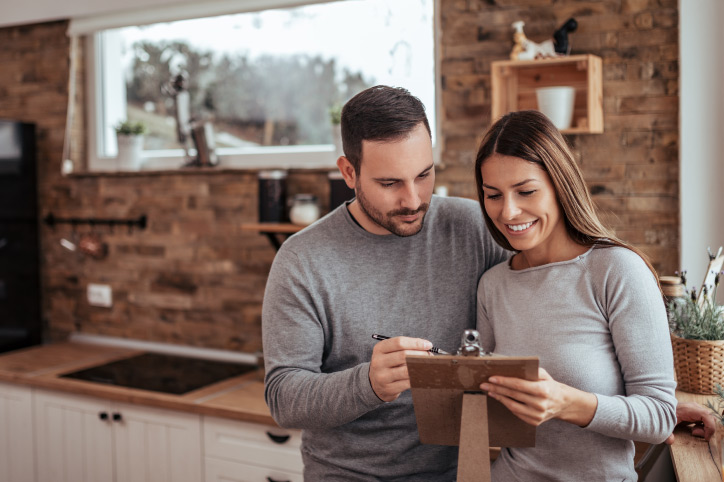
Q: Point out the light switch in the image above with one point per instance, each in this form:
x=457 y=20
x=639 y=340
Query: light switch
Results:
x=100 y=295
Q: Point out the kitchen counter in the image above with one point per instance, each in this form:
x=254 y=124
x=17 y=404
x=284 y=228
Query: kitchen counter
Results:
x=694 y=459
x=238 y=398
x=242 y=398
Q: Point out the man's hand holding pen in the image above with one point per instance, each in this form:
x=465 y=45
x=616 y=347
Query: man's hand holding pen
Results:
x=388 y=370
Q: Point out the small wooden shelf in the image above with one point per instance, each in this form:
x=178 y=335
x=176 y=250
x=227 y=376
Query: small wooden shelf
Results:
x=271 y=230
x=277 y=228
x=514 y=83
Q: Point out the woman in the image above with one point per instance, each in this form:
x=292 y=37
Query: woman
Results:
x=587 y=304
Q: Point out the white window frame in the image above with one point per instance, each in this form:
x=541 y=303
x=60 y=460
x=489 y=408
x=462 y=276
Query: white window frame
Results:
x=268 y=157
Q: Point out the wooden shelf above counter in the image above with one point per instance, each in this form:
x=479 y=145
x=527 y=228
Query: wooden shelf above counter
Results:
x=277 y=228
x=514 y=83
x=272 y=230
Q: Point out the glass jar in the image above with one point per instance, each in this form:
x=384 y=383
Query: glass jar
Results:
x=673 y=289
x=304 y=209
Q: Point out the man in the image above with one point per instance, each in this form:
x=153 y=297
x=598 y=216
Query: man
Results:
x=395 y=261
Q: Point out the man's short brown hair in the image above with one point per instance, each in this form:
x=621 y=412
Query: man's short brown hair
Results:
x=380 y=113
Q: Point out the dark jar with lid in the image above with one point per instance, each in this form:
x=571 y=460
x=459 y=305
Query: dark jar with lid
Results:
x=272 y=196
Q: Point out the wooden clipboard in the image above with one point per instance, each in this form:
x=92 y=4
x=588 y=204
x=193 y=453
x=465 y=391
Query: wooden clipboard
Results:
x=451 y=409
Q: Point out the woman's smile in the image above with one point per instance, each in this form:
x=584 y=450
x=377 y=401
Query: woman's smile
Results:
x=520 y=228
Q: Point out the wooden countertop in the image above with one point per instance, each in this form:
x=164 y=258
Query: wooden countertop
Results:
x=238 y=398
x=242 y=398
x=694 y=459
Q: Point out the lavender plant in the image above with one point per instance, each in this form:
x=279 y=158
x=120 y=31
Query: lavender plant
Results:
x=688 y=319
x=718 y=407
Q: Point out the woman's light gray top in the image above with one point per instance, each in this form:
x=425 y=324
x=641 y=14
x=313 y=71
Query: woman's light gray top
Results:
x=598 y=323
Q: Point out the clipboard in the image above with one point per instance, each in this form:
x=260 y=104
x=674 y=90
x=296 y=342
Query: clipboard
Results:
x=451 y=409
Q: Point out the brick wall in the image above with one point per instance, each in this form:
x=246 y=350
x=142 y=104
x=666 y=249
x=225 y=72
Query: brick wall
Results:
x=193 y=277
x=633 y=167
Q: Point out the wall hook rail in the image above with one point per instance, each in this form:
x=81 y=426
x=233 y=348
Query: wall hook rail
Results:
x=141 y=222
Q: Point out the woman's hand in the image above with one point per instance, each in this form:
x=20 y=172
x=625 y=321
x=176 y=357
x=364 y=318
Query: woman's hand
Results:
x=535 y=402
x=704 y=421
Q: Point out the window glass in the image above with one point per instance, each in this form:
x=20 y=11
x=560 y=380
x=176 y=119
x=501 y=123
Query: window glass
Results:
x=263 y=79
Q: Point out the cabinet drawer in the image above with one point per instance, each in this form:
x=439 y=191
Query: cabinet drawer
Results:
x=259 y=445
x=218 y=470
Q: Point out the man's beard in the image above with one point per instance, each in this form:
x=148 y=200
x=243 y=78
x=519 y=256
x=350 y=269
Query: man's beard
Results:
x=387 y=221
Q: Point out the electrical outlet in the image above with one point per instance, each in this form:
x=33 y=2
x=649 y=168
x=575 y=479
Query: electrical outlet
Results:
x=100 y=295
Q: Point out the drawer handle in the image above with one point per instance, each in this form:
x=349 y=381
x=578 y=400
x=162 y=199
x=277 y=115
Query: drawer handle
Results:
x=117 y=417
x=278 y=439
x=269 y=479
x=103 y=416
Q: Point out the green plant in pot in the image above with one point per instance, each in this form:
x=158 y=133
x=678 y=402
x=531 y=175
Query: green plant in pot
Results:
x=129 y=136
x=335 y=118
x=717 y=406
x=697 y=337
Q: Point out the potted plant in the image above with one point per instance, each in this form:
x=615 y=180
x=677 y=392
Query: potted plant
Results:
x=335 y=118
x=697 y=337
x=716 y=405
x=129 y=136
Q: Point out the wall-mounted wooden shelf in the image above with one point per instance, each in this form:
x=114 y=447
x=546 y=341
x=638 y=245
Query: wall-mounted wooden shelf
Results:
x=271 y=230
x=514 y=83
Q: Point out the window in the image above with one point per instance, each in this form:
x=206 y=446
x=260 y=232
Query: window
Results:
x=266 y=81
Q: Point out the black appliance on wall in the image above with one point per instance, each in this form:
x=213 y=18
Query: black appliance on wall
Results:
x=20 y=314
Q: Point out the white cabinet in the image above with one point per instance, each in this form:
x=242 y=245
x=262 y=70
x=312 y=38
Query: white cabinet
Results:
x=72 y=443
x=55 y=436
x=17 y=462
x=156 y=445
x=248 y=452
x=83 y=439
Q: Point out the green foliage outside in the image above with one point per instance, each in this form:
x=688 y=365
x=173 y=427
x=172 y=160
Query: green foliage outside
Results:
x=335 y=114
x=266 y=100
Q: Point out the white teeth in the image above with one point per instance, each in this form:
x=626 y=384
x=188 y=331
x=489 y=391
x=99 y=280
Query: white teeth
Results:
x=520 y=227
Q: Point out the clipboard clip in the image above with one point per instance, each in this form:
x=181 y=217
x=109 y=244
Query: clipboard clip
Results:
x=470 y=345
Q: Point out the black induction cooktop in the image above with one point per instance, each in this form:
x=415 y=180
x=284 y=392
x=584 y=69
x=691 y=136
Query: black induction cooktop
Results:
x=159 y=372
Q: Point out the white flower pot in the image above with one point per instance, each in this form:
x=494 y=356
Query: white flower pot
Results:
x=337 y=140
x=130 y=152
x=557 y=104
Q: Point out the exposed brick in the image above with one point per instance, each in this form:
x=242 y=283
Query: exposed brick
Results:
x=644 y=21
x=649 y=104
x=193 y=277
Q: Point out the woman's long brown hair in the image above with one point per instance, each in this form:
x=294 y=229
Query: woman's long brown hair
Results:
x=529 y=135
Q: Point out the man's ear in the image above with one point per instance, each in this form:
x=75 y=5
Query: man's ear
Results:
x=347 y=170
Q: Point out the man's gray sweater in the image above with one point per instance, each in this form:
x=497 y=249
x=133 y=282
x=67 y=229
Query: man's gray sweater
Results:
x=330 y=288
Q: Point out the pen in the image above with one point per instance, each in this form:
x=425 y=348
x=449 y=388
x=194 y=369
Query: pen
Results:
x=434 y=349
